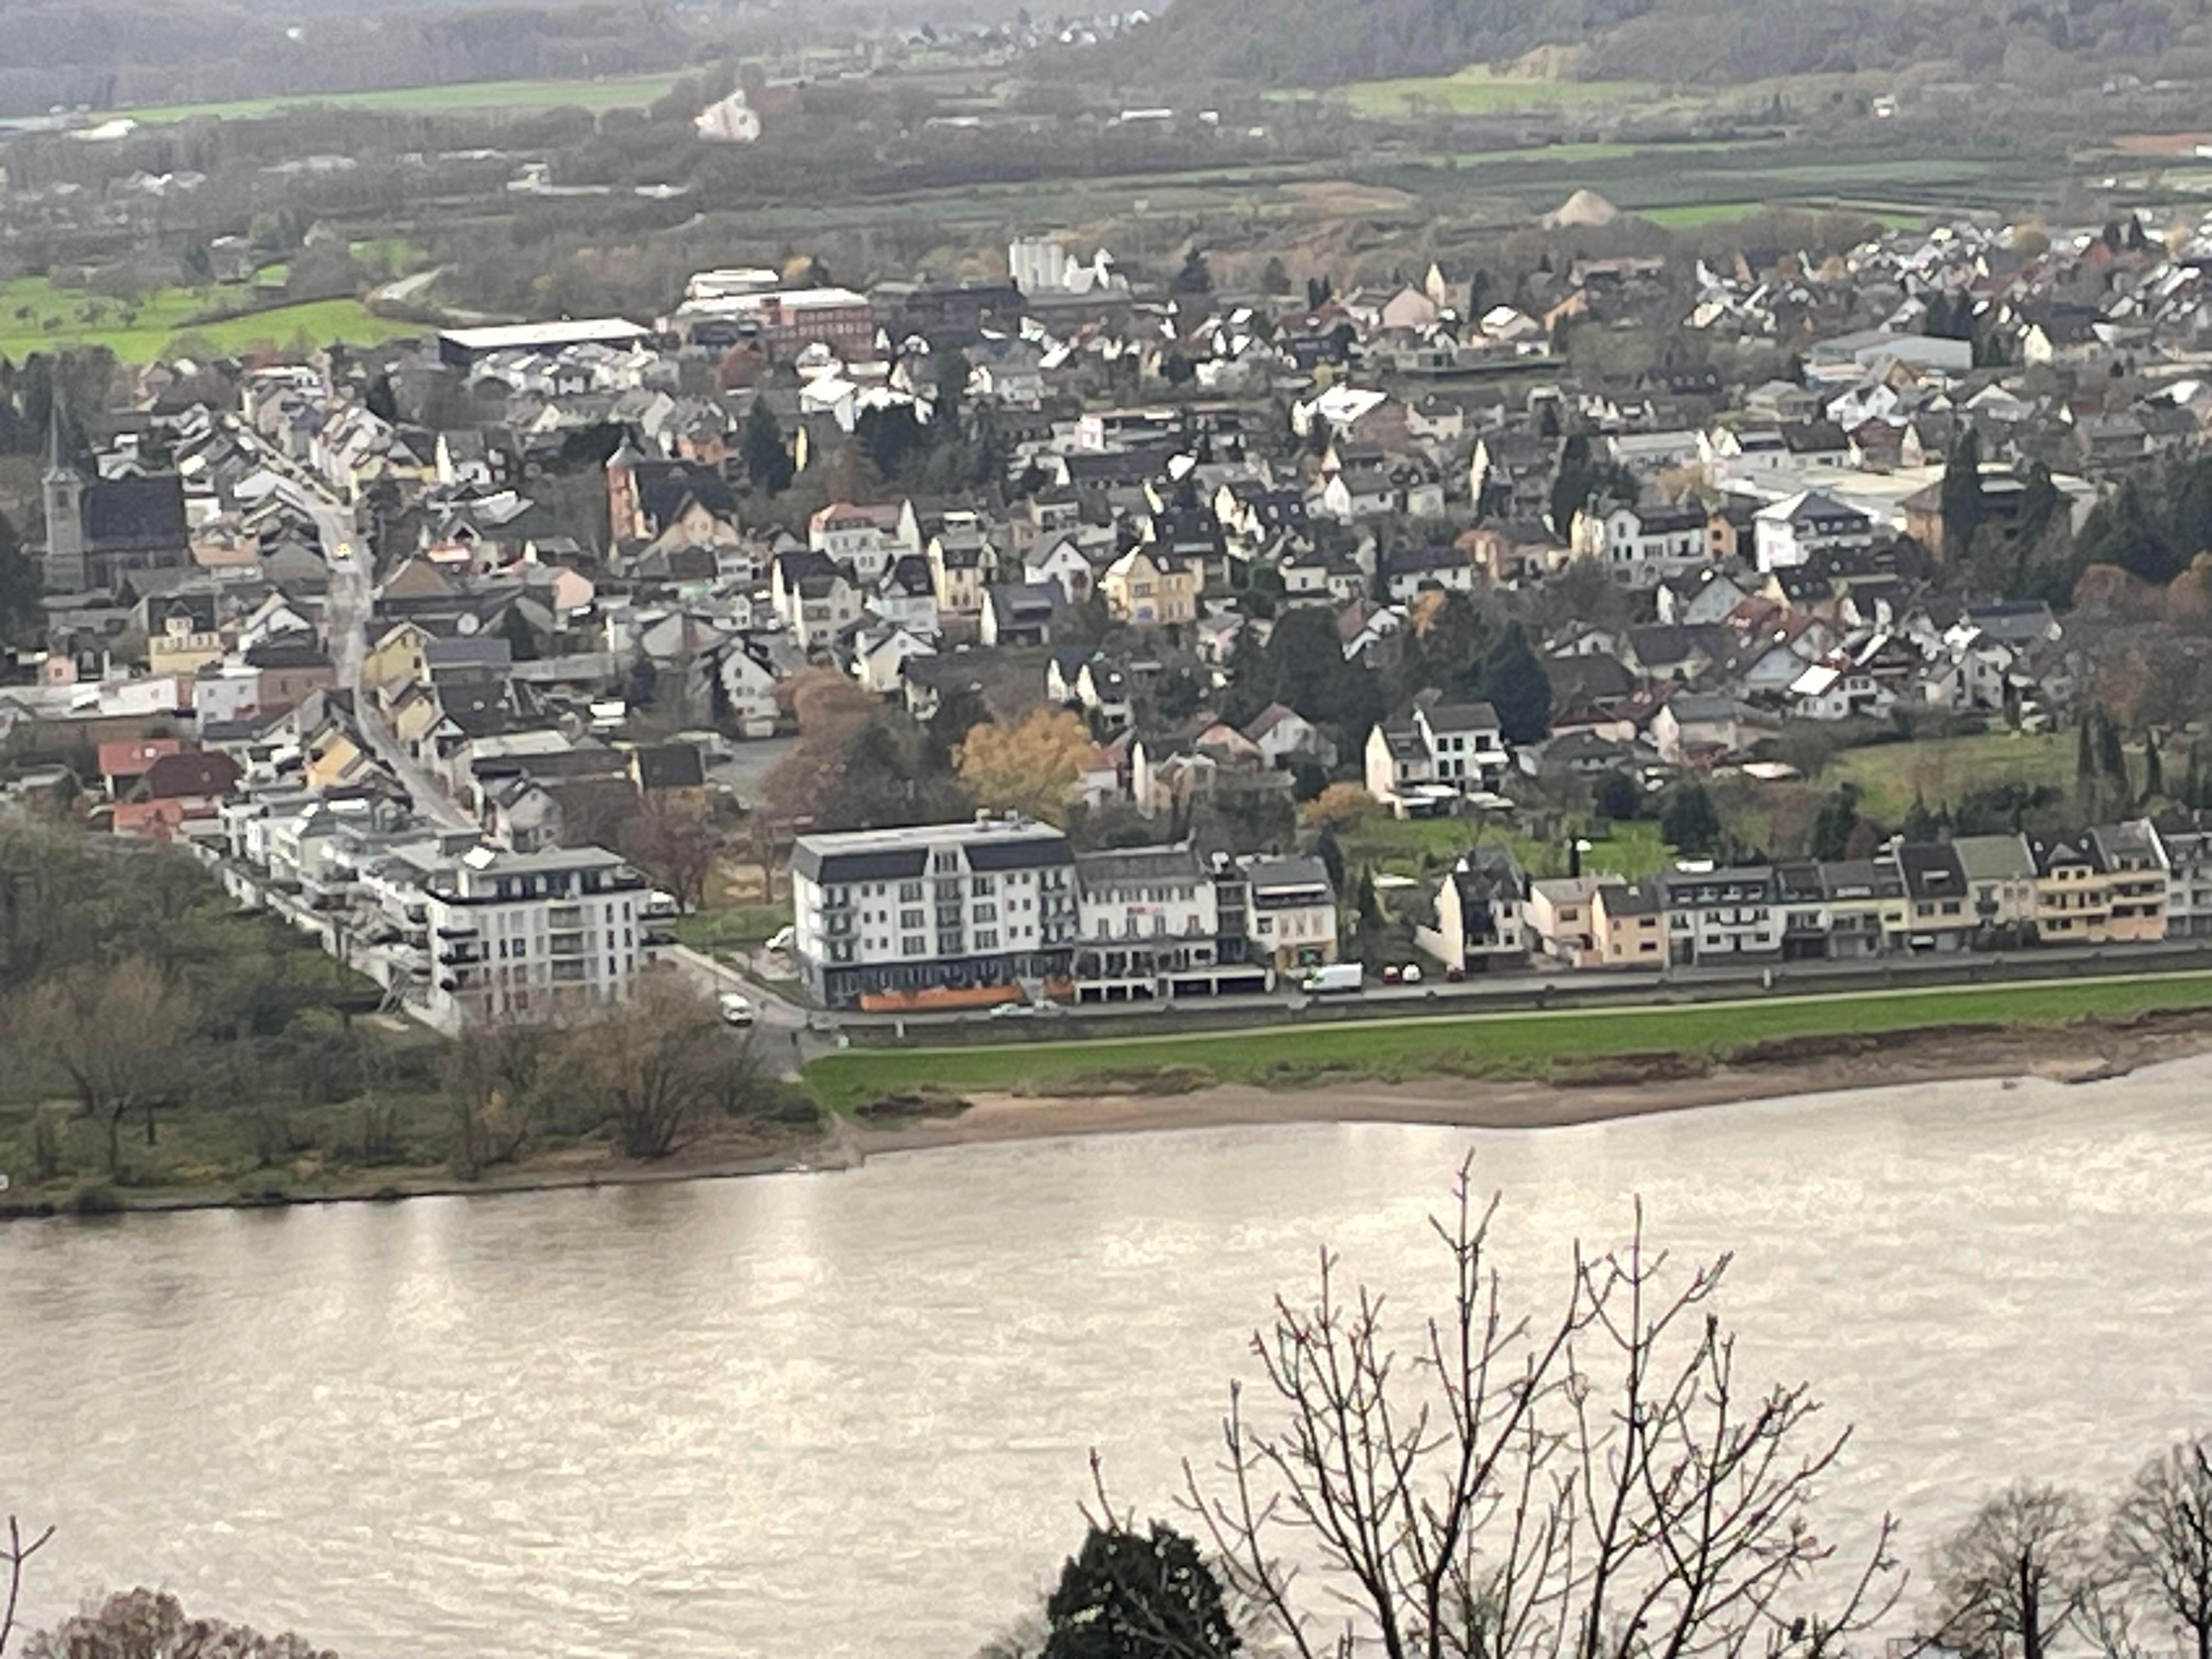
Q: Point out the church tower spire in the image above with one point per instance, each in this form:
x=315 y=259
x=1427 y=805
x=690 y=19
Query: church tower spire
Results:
x=62 y=487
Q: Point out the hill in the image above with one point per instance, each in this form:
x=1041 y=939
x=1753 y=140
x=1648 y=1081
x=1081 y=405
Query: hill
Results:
x=2048 y=44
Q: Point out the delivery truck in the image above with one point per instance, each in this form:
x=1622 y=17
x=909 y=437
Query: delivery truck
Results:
x=1339 y=977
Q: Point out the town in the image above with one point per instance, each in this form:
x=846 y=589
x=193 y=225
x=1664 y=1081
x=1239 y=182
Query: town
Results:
x=1110 y=639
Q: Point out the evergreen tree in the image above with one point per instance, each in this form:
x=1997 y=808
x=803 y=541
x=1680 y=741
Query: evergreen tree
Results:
x=1832 y=826
x=2112 y=757
x=768 y=463
x=1920 y=826
x=1326 y=849
x=1129 y=1596
x=2154 y=769
x=1962 y=495
x=515 y=629
x=1517 y=687
x=23 y=621
x=1367 y=922
x=1688 y=822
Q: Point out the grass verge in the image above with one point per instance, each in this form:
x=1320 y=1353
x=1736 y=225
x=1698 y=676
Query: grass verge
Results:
x=1519 y=1044
x=452 y=98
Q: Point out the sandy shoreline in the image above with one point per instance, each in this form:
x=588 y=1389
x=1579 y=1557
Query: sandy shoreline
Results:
x=2080 y=1054
x=2087 y=1052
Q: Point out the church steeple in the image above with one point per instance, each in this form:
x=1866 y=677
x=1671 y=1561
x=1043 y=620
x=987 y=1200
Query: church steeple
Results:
x=63 y=487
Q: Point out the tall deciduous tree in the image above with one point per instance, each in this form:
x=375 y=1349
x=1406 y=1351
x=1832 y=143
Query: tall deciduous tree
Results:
x=1029 y=767
x=2012 y=1580
x=117 y=1035
x=659 y=1068
x=1590 y=1483
x=2159 y=1544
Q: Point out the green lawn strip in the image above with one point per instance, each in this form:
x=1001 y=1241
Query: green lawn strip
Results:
x=456 y=98
x=1522 y=1044
x=730 y=925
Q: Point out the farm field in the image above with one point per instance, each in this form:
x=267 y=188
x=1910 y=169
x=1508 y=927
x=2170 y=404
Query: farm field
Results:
x=37 y=316
x=457 y=98
x=1889 y=775
x=1477 y=91
x=1521 y=1044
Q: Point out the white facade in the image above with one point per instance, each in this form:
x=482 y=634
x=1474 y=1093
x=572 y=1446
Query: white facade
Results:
x=968 y=907
x=498 y=935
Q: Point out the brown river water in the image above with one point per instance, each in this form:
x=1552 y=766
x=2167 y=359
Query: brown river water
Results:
x=815 y=1416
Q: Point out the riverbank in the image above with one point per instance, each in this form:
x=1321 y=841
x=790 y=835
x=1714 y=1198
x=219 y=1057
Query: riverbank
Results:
x=1652 y=1041
x=2086 y=1051
x=723 y=1157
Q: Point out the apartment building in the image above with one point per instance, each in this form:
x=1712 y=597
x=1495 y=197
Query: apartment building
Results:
x=489 y=935
x=1722 y=918
x=1159 y=922
x=936 y=915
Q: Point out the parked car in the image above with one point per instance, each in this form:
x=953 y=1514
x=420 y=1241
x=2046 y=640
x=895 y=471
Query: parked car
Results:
x=1392 y=974
x=735 y=1007
x=1454 y=976
x=1410 y=974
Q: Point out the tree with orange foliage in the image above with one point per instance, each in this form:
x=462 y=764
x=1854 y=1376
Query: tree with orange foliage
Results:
x=1029 y=767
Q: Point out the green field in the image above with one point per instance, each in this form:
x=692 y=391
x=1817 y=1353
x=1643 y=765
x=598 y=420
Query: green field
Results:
x=1523 y=1044
x=1702 y=213
x=1405 y=846
x=1889 y=775
x=37 y=316
x=1476 y=91
x=461 y=98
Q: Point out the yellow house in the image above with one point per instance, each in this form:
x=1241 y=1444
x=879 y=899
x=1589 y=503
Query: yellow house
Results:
x=393 y=661
x=1150 y=590
x=1628 y=926
x=2135 y=881
x=2104 y=886
x=181 y=649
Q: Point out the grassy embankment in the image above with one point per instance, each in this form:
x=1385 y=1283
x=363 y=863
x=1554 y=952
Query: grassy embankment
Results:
x=456 y=98
x=36 y=315
x=1526 y=1044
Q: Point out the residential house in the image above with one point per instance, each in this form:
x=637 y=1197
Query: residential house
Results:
x=1561 y=920
x=1628 y=924
x=1149 y=589
x=1642 y=546
x=1722 y=918
x=1294 y=912
x=1481 y=906
x=1424 y=763
x=1019 y=613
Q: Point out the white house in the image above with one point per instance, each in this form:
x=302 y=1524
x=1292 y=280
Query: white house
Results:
x=1641 y=547
x=1425 y=763
x=1790 y=532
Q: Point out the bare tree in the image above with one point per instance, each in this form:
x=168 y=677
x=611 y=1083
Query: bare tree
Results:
x=677 y=845
x=2160 y=1543
x=1595 y=1484
x=659 y=1065
x=135 y=1623
x=13 y=1557
x=492 y=1080
x=117 y=1034
x=2011 y=1580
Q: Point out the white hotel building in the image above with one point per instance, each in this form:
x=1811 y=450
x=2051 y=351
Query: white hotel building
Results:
x=490 y=935
x=943 y=914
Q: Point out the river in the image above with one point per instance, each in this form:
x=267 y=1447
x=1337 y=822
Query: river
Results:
x=811 y=1416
